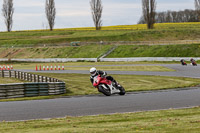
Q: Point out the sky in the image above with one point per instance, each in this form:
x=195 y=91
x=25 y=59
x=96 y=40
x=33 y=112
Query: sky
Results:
x=30 y=14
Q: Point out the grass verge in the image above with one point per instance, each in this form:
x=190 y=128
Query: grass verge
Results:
x=124 y=51
x=164 y=31
x=86 y=51
x=118 y=66
x=169 y=121
x=10 y=80
x=79 y=84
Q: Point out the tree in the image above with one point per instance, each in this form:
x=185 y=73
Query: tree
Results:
x=7 y=12
x=97 y=8
x=197 y=7
x=149 y=12
x=187 y=15
x=50 y=13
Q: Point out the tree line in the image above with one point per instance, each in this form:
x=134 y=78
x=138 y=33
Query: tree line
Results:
x=174 y=17
x=149 y=14
x=50 y=11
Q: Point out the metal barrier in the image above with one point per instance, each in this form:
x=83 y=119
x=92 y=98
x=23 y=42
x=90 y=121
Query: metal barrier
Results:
x=40 y=86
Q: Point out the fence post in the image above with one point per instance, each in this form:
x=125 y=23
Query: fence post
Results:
x=21 y=76
x=15 y=74
x=27 y=74
x=34 y=78
x=9 y=73
x=2 y=73
x=38 y=78
x=18 y=74
x=31 y=76
x=42 y=78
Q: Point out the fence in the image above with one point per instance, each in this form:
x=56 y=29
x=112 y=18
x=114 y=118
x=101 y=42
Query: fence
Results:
x=40 y=86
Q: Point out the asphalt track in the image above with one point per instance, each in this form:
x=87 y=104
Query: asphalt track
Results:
x=100 y=104
x=181 y=71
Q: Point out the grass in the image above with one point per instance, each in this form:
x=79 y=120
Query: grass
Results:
x=86 y=51
x=156 y=51
x=95 y=51
x=10 y=80
x=100 y=65
x=124 y=68
x=172 y=31
x=79 y=84
x=165 y=121
x=87 y=66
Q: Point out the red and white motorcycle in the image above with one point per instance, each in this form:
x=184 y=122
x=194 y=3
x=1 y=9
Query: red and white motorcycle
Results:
x=107 y=87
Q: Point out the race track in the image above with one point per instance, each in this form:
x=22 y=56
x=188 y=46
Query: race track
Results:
x=100 y=104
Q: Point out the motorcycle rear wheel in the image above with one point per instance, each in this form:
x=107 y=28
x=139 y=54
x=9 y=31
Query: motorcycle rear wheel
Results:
x=104 y=91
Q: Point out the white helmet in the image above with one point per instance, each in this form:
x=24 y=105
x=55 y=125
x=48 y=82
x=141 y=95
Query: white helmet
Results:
x=93 y=71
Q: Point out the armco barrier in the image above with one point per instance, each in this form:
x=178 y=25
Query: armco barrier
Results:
x=52 y=60
x=133 y=59
x=39 y=86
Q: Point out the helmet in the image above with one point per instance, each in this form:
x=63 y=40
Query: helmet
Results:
x=93 y=71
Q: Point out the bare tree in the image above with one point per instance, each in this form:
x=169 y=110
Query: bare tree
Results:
x=50 y=13
x=149 y=12
x=197 y=7
x=7 y=12
x=186 y=15
x=97 y=8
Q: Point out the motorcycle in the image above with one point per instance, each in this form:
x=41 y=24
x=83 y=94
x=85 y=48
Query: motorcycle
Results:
x=183 y=62
x=107 y=87
x=193 y=62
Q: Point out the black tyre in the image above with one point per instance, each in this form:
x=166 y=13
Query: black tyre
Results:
x=122 y=91
x=105 y=91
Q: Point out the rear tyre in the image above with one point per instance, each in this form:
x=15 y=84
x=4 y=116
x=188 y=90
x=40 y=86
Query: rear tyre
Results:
x=122 y=91
x=105 y=91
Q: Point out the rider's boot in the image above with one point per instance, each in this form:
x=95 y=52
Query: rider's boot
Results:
x=116 y=83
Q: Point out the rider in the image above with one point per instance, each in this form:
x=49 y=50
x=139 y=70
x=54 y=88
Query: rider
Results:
x=94 y=72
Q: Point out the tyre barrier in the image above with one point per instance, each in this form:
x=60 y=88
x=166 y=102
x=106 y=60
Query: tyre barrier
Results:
x=38 y=86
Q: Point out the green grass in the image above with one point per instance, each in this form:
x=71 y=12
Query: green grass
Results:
x=94 y=51
x=100 y=65
x=88 y=65
x=87 y=51
x=156 y=51
x=124 y=68
x=174 y=31
x=79 y=84
x=10 y=80
x=165 y=121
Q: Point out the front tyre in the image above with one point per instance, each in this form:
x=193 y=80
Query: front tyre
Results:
x=122 y=91
x=104 y=90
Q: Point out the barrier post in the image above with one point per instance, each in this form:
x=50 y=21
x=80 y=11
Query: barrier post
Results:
x=63 y=67
x=58 y=67
x=8 y=67
x=55 y=67
x=40 y=68
x=36 y=68
x=43 y=68
x=51 y=67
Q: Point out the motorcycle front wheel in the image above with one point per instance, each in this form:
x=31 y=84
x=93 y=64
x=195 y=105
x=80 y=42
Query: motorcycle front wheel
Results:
x=122 y=91
x=104 y=90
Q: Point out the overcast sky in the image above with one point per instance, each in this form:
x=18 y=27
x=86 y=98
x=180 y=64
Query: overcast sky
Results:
x=30 y=14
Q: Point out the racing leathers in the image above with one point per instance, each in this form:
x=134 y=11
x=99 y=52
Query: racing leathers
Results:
x=102 y=73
